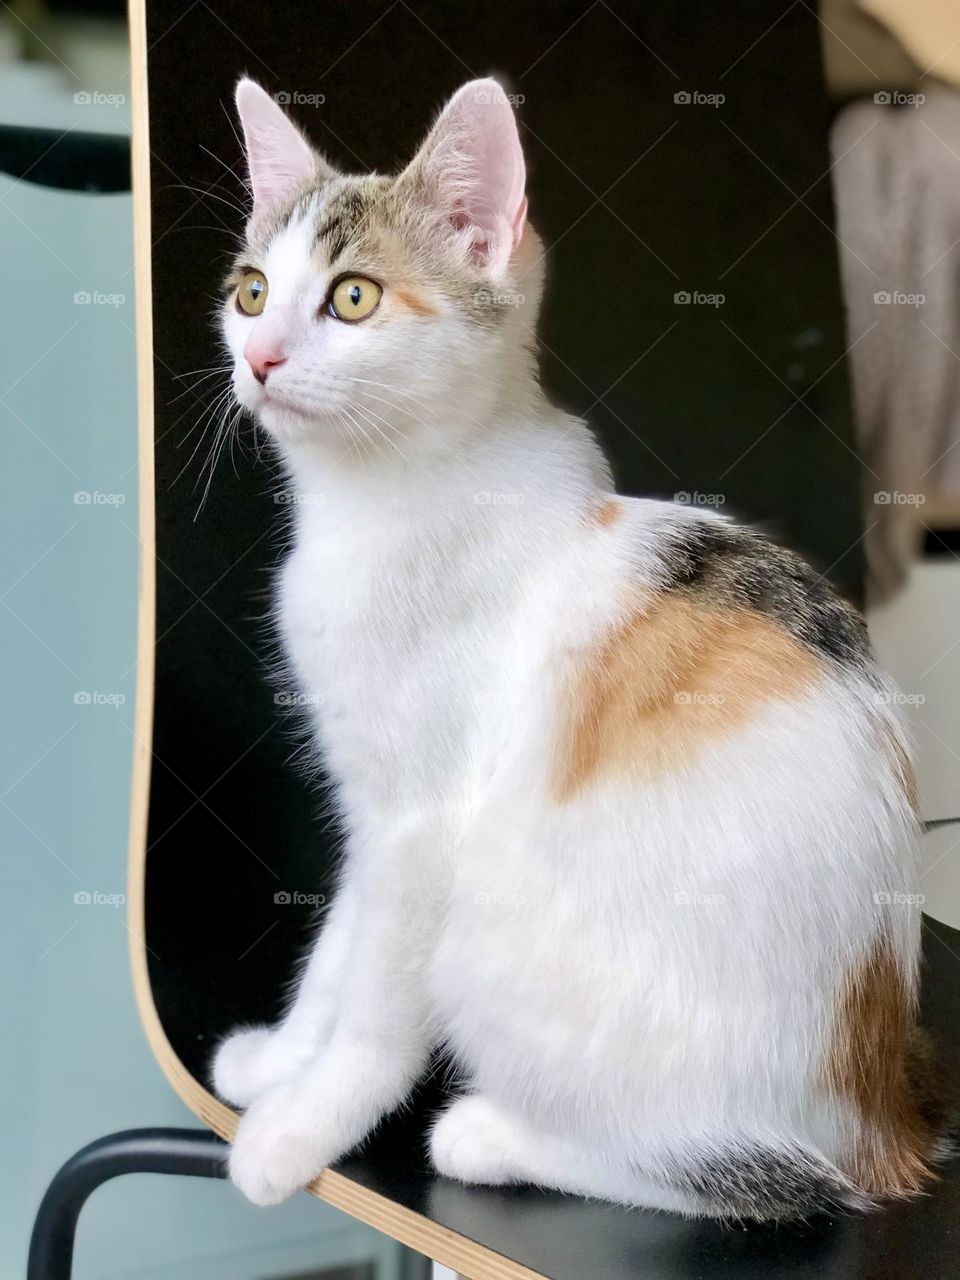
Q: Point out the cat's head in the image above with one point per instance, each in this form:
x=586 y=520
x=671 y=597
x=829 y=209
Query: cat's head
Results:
x=383 y=314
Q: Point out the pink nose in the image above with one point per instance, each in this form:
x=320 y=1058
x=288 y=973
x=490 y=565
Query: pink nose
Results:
x=262 y=362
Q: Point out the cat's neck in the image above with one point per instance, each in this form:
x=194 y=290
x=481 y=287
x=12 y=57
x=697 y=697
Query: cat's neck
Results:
x=529 y=457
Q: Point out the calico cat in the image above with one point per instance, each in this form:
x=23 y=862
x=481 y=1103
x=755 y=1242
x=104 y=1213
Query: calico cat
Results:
x=630 y=819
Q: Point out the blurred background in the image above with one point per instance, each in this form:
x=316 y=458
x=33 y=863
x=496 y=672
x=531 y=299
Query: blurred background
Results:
x=803 y=371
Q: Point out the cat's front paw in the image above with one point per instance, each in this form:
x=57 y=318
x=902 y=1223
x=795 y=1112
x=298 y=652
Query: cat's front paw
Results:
x=278 y=1148
x=245 y=1065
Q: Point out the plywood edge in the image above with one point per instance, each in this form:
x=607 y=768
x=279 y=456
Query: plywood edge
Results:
x=402 y=1224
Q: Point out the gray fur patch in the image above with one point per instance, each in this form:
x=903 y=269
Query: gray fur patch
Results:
x=736 y=567
x=766 y=1184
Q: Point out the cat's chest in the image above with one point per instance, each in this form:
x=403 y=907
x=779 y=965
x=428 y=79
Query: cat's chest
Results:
x=376 y=615
x=398 y=654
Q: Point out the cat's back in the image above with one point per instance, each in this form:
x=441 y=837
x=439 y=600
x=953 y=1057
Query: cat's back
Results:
x=693 y=556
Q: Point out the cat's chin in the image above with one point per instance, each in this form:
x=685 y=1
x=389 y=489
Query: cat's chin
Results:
x=288 y=424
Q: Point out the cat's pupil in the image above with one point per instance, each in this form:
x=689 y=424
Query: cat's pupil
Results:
x=256 y=289
x=355 y=295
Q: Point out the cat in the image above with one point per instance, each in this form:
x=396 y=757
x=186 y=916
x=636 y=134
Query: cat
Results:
x=630 y=818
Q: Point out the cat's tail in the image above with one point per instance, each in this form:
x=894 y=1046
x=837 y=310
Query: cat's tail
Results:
x=744 y=1179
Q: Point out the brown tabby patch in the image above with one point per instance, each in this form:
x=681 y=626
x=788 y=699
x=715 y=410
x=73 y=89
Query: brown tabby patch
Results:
x=668 y=680
x=377 y=226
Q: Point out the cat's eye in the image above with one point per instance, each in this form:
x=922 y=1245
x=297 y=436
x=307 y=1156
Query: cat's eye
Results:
x=354 y=298
x=252 y=293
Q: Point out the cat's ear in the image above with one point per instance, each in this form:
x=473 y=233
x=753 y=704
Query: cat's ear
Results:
x=470 y=170
x=279 y=158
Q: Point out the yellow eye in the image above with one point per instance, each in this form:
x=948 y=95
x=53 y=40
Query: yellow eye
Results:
x=252 y=293
x=354 y=298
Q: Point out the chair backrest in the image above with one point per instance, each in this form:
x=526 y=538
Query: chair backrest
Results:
x=679 y=175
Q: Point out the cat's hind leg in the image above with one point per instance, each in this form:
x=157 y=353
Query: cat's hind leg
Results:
x=477 y=1141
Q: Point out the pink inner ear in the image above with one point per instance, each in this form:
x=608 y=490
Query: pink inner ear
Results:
x=279 y=159
x=475 y=165
x=519 y=222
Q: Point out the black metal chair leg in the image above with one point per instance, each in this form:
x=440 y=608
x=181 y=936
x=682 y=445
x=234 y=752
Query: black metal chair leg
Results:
x=186 y=1151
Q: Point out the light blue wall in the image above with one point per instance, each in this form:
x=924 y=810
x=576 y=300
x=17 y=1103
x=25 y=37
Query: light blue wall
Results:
x=75 y=1064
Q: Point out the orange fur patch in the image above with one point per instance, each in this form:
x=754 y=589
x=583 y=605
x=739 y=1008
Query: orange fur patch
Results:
x=666 y=681
x=868 y=1066
x=607 y=513
x=903 y=769
x=413 y=301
